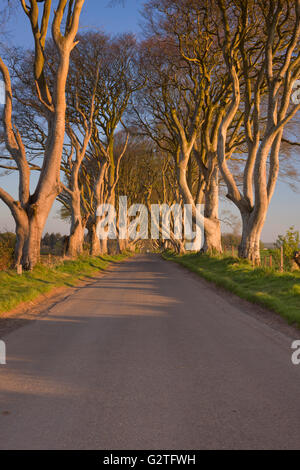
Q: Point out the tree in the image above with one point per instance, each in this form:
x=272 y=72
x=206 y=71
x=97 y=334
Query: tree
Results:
x=31 y=210
x=147 y=177
x=260 y=44
x=117 y=83
x=194 y=89
x=80 y=121
x=80 y=99
x=170 y=111
x=290 y=242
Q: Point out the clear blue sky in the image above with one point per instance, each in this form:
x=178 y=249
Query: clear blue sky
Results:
x=105 y=15
x=124 y=17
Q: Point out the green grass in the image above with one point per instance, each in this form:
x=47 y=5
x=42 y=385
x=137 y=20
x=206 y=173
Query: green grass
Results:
x=15 y=289
x=277 y=291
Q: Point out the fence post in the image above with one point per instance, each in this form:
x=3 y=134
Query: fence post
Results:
x=19 y=269
x=281 y=259
x=271 y=261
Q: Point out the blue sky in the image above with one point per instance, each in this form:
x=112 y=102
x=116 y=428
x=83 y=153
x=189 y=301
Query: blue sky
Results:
x=124 y=17
x=105 y=15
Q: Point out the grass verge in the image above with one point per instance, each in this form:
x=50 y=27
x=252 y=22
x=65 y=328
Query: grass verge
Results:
x=277 y=291
x=15 y=289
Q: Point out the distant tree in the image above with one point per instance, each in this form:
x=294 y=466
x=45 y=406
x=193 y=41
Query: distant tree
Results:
x=52 y=239
x=230 y=240
x=46 y=239
x=290 y=242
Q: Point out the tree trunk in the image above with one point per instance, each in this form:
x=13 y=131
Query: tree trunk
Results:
x=210 y=221
x=250 y=244
x=32 y=245
x=179 y=247
x=36 y=215
x=212 y=231
x=122 y=245
x=131 y=248
x=77 y=230
x=166 y=245
x=21 y=236
x=76 y=239
x=93 y=240
x=103 y=246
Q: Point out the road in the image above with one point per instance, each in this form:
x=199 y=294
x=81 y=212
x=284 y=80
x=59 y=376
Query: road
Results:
x=149 y=357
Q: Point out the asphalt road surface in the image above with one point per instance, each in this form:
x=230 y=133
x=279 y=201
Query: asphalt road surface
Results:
x=149 y=357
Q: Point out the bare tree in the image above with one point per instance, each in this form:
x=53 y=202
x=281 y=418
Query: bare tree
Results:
x=171 y=110
x=80 y=121
x=188 y=68
x=117 y=83
x=260 y=44
x=31 y=211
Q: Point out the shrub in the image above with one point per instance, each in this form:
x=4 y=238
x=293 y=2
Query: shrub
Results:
x=7 y=246
x=290 y=243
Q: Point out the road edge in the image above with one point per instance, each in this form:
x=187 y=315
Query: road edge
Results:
x=32 y=310
x=255 y=310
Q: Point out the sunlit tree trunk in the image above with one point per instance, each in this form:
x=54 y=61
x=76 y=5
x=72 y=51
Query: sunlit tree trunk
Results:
x=95 y=249
x=77 y=229
x=212 y=231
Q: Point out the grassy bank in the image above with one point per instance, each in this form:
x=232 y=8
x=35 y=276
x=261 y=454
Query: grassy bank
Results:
x=277 y=291
x=15 y=289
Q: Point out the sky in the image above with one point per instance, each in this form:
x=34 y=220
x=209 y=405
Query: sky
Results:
x=124 y=16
